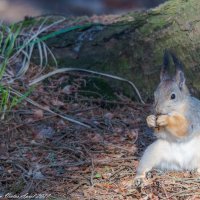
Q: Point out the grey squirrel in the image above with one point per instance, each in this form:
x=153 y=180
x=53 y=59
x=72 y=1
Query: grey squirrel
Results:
x=176 y=124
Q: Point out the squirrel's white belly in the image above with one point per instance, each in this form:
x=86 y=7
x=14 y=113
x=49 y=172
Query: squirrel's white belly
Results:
x=180 y=156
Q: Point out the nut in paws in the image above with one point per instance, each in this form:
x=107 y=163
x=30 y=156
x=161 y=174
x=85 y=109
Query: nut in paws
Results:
x=162 y=120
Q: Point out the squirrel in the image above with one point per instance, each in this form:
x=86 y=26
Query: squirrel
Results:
x=176 y=124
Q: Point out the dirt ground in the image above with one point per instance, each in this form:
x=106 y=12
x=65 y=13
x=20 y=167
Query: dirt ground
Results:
x=42 y=154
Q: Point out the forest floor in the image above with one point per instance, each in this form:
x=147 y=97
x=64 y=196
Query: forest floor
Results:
x=41 y=153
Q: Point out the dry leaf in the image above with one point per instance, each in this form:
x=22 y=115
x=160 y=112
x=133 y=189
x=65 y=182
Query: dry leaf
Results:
x=109 y=115
x=44 y=132
x=68 y=89
x=56 y=102
x=38 y=114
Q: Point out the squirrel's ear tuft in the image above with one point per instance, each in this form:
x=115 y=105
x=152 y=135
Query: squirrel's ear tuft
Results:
x=180 y=78
x=178 y=64
x=165 y=67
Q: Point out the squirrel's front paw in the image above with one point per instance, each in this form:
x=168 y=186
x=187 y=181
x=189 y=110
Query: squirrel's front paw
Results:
x=151 y=121
x=139 y=180
x=162 y=120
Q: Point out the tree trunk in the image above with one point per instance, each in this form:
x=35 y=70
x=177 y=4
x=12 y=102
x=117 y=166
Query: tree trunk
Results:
x=133 y=46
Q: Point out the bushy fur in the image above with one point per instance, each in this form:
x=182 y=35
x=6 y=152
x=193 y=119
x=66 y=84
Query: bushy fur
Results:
x=176 y=123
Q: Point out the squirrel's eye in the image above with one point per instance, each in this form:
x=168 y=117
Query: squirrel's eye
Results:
x=173 y=96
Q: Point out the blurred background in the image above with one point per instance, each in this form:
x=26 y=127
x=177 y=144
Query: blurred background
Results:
x=16 y=10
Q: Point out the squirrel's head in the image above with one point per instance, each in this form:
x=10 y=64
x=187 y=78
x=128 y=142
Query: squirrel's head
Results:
x=171 y=93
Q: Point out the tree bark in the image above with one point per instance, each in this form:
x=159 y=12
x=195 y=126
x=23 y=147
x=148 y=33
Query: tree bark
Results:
x=133 y=47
